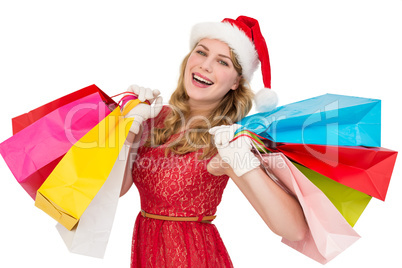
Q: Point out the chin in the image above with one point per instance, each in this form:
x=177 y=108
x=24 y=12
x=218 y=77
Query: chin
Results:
x=196 y=94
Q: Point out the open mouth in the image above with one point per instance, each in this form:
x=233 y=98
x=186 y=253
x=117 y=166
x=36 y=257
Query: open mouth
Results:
x=202 y=80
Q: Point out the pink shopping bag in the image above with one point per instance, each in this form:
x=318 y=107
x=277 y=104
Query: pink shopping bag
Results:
x=35 y=150
x=329 y=233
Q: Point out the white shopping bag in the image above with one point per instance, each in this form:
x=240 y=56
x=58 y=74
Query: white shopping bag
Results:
x=91 y=235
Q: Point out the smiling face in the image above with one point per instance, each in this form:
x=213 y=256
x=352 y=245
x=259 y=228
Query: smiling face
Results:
x=209 y=73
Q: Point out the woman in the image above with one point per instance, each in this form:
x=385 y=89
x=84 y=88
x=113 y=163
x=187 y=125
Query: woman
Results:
x=179 y=175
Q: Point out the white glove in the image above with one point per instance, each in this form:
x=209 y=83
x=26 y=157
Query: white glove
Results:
x=143 y=111
x=143 y=93
x=236 y=153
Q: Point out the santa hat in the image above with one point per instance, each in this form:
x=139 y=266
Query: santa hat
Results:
x=244 y=37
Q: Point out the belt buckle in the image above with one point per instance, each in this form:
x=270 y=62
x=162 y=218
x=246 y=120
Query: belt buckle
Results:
x=143 y=213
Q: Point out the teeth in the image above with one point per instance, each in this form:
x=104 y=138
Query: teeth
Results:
x=202 y=80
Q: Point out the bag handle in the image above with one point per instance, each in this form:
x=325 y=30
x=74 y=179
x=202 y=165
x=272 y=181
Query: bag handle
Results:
x=130 y=105
x=259 y=147
x=128 y=101
x=130 y=96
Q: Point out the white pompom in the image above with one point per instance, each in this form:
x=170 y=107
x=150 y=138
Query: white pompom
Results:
x=265 y=100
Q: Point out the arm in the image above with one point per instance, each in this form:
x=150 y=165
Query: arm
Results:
x=132 y=142
x=279 y=210
x=140 y=113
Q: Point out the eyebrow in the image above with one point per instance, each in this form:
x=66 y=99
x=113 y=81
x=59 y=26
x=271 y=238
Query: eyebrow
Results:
x=218 y=54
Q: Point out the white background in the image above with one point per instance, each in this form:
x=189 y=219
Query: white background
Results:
x=51 y=48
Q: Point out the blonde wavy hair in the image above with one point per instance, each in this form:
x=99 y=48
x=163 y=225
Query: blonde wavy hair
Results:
x=234 y=106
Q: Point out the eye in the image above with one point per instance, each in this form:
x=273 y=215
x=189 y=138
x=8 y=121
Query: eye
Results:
x=202 y=53
x=224 y=63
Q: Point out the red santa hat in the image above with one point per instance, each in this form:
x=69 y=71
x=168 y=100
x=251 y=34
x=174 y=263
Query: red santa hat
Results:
x=244 y=37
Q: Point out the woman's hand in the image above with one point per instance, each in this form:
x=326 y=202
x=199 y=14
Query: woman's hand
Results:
x=143 y=93
x=143 y=111
x=237 y=153
x=279 y=210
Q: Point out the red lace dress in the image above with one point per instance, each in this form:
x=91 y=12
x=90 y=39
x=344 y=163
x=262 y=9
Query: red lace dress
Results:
x=178 y=185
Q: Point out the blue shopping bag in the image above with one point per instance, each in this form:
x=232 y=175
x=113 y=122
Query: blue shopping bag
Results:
x=327 y=120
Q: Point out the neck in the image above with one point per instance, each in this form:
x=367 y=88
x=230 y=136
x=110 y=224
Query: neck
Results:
x=198 y=112
x=201 y=109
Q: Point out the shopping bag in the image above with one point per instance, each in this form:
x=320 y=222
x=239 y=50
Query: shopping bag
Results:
x=328 y=119
x=79 y=176
x=367 y=170
x=22 y=121
x=34 y=151
x=350 y=202
x=329 y=233
x=91 y=235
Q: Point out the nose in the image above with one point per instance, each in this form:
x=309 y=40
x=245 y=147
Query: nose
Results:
x=207 y=65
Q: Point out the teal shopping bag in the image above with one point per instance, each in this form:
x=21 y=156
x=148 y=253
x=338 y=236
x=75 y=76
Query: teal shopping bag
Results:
x=327 y=120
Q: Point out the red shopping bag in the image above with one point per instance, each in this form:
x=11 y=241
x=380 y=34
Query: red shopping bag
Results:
x=45 y=134
x=24 y=120
x=366 y=169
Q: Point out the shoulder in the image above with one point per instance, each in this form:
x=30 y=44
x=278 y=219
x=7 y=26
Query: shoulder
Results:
x=157 y=122
x=164 y=113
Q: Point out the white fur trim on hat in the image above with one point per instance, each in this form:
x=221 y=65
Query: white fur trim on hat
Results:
x=265 y=100
x=236 y=39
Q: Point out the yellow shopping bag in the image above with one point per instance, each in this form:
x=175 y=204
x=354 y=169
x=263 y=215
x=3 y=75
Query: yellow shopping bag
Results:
x=78 y=177
x=349 y=202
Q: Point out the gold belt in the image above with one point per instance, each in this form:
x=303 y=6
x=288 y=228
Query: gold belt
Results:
x=203 y=219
